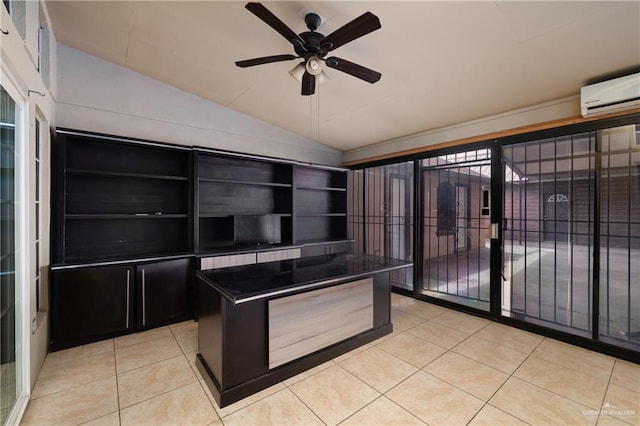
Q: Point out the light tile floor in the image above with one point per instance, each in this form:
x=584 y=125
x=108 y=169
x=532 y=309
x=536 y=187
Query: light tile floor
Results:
x=439 y=367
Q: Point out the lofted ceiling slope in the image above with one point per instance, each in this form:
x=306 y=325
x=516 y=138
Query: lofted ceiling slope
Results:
x=442 y=63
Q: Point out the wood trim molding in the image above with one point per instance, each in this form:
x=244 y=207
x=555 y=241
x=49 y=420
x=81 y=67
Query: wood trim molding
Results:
x=493 y=135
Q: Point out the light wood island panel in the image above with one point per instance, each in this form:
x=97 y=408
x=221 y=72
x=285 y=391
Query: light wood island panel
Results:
x=304 y=323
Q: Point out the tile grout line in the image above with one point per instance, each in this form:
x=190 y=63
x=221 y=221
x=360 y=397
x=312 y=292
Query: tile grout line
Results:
x=202 y=385
x=160 y=394
x=72 y=387
x=181 y=355
x=502 y=385
x=115 y=365
x=606 y=391
x=551 y=391
x=305 y=404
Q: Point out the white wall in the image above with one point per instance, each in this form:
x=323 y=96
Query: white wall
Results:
x=98 y=96
x=548 y=111
x=18 y=68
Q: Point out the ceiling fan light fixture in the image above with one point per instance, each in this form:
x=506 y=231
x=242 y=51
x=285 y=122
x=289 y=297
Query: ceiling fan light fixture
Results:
x=322 y=77
x=298 y=71
x=314 y=65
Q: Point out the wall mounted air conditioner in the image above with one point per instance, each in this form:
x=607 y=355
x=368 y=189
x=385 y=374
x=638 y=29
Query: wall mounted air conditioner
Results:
x=610 y=96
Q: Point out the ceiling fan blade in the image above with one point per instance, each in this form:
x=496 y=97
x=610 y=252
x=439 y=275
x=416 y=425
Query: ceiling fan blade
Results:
x=264 y=60
x=360 y=26
x=272 y=20
x=308 y=84
x=355 y=70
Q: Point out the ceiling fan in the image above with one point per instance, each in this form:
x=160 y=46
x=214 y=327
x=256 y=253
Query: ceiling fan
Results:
x=313 y=46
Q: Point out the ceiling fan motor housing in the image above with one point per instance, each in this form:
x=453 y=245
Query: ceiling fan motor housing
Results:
x=312 y=44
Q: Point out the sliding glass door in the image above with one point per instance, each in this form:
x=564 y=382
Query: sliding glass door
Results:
x=456 y=264
x=10 y=362
x=548 y=241
x=542 y=228
x=571 y=246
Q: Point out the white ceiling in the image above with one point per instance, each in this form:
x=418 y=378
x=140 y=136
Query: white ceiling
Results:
x=442 y=63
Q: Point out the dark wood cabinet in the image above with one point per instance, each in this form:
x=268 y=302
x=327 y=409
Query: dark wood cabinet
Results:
x=143 y=207
x=94 y=303
x=89 y=304
x=164 y=292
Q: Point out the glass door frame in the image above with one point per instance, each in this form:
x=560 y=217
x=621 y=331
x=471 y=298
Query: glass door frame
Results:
x=22 y=246
x=593 y=342
x=495 y=216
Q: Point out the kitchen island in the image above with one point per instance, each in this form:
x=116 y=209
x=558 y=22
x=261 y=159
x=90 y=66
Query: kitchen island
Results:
x=263 y=323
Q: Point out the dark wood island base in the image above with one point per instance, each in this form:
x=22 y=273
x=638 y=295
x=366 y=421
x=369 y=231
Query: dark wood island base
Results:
x=261 y=324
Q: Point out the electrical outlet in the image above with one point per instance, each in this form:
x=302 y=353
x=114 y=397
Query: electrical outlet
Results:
x=34 y=325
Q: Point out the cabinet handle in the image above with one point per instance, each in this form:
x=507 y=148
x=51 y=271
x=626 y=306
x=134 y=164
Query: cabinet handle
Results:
x=128 y=295
x=144 y=304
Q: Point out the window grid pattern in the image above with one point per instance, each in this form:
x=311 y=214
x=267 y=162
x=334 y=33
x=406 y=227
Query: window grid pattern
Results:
x=548 y=243
x=456 y=260
x=381 y=215
x=619 y=319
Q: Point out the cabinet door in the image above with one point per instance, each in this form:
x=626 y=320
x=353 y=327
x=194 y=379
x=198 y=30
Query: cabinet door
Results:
x=164 y=292
x=90 y=304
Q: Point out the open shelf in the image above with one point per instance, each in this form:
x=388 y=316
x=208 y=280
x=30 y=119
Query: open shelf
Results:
x=121 y=199
x=98 y=194
x=320 y=178
x=243 y=202
x=107 y=238
x=315 y=202
x=229 y=169
x=123 y=174
x=324 y=228
x=224 y=198
x=242 y=182
x=87 y=153
x=243 y=230
x=127 y=216
x=321 y=204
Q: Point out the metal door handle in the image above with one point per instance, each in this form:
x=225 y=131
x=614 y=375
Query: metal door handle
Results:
x=128 y=295
x=144 y=304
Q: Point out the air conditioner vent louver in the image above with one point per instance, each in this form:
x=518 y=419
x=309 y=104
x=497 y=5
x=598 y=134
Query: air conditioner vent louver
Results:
x=610 y=96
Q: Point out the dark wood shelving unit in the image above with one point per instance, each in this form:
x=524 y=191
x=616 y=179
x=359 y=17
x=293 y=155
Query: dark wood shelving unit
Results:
x=321 y=204
x=129 y=215
x=121 y=200
x=242 y=202
x=122 y=237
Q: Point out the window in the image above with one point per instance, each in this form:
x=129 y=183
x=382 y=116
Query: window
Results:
x=446 y=209
x=37 y=197
x=381 y=215
x=17 y=10
x=43 y=49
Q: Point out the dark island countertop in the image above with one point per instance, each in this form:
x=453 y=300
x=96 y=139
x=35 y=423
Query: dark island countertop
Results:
x=265 y=280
